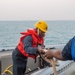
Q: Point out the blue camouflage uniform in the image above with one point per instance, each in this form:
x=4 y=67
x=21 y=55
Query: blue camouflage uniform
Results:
x=68 y=51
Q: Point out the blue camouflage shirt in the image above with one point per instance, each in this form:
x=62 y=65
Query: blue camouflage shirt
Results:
x=66 y=52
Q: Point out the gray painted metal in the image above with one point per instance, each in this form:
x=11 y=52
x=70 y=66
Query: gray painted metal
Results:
x=61 y=70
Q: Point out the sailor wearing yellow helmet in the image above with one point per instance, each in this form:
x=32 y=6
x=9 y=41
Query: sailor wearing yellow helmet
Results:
x=28 y=46
x=41 y=28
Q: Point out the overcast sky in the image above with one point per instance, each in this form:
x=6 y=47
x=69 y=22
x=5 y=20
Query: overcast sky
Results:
x=37 y=9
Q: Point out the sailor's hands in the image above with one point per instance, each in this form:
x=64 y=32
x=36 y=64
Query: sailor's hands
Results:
x=40 y=50
x=49 y=54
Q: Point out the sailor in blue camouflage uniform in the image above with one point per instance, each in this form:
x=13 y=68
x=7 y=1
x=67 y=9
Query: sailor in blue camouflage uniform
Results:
x=68 y=52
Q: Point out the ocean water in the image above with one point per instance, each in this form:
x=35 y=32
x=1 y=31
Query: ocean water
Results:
x=59 y=32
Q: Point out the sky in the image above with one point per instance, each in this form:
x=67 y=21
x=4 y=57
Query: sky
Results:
x=37 y=9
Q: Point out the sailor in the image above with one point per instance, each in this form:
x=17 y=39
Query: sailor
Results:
x=68 y=52
x=30 y=45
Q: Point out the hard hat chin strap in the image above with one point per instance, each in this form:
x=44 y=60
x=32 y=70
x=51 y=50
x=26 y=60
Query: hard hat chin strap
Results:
x=38 y=31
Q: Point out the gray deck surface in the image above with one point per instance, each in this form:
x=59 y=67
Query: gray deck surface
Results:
x=65 y=68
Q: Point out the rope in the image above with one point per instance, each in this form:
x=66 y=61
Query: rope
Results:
x=51 y=61
x=7 y=70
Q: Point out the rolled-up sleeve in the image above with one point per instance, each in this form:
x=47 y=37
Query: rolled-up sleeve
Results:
x=28 y=45
x=66 y=52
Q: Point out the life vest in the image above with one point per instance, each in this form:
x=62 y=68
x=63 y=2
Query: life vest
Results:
x=73 y=49
x=35 y=42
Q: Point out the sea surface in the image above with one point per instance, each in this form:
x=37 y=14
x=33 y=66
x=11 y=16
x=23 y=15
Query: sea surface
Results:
x=59 y=32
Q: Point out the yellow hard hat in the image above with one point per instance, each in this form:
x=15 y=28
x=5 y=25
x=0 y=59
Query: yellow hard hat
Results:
x=42 y=25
